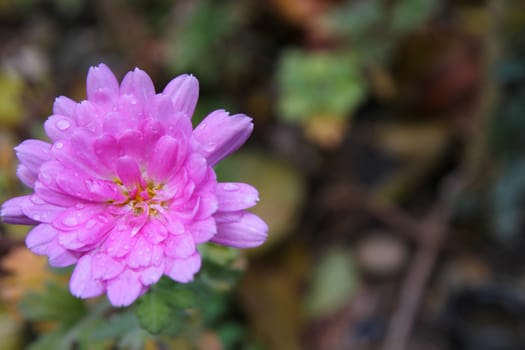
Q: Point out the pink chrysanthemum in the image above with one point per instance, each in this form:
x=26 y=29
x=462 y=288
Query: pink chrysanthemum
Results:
x=126 y=189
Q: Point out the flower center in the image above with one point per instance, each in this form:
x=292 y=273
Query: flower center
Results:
x=143 y=197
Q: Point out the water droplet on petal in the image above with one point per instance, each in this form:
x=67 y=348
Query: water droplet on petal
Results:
x=63 y=124
x=59 y=145
x=230 y=187
x=37 y=200
x=70 y=221
x=209 y=147
x=91 y=224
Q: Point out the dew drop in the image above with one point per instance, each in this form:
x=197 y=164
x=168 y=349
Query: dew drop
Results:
x=70 y=221
x=230 y=187
x=59 y=145
x=37 y=200
x=103 y=219
x=63 y=124
x=210 y=147
x=91 y=224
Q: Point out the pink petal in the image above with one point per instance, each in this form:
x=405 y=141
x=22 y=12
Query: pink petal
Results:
x=33 y=153
x=131 y=143
x=184 y=93
x=60 y=257
x=27 y=176
x=179 y=246
x=39 y=238
x=82 y=283
x=140 y=255
x=128 y=171
x=154 y=231
x=240 y=230
x=203 y=230
x=221 y=134
x=236 y=196
x=120 y=240
x=101 y=84
x=151 y=275
x=39 y=210
x=104 y=267
x=197 y=168
x=64 y=106
x=77 y=153
x=183 y=270
x=124 y=289
x=107 y=151
x=53 y=196
x=165 y=158
x=152 y=131
x=138 y=84
x=12 y=213
x=59 y=127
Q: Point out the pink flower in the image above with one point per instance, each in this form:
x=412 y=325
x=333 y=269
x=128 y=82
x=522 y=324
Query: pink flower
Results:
x=126 y=189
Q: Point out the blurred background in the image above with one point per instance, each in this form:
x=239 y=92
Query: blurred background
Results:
x=389 y=151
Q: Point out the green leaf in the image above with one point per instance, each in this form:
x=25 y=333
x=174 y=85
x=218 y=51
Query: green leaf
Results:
x=154 y=312
x=55 y=303
x=115 y=327
x=333 y=284
x=319 y=83
x=52 y=340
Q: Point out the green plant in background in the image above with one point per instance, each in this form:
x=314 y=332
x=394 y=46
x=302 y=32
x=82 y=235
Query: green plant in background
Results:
x=318 y=84
x=168 y=312
x=317 y=87
x=197 y=43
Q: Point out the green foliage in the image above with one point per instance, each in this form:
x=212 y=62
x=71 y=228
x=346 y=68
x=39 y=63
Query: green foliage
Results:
x=55 y=303
x=199 y=42
x=409 y=14
x=337 y=271
x=169 y=302
x=164 y=302
x=313 y=84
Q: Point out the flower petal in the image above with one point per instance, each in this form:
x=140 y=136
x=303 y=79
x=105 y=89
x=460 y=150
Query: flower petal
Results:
x=101 y=84
x=140 y=255
x=128 y=171
x=179 y=246
x=152 y=274
x=184 y=92
x=240 y=230
x=12 y=213
x=183 y=270
x=64 y=106
x=165 y=158
x=33 y=153
x=221 y=134
x=82 y=283
x=27 y=176
x=203 y=230
x=104 y=267
x=39 y=210
x=60 y=257
x=59 y=127
x=236 y=196
x=138 y=84
x=39 y=238
x=124 y=289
